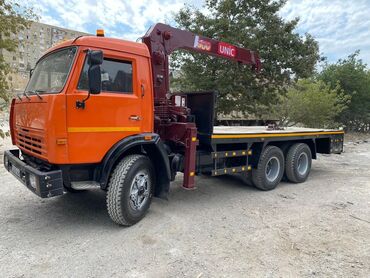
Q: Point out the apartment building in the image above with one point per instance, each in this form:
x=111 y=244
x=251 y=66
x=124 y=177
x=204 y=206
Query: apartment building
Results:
x=33 y=42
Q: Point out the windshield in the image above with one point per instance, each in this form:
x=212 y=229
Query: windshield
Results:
x=51 y=72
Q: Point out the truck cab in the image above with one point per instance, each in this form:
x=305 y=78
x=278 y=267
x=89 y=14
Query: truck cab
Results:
x=70 y=138
x=48 y=124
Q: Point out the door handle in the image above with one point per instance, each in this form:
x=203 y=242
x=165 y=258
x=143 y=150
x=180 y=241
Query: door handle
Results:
x=135 y=118
x=142 y=90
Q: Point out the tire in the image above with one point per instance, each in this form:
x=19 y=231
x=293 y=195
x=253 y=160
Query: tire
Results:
x=298 y=163
x=130 y=190
x=270 y=169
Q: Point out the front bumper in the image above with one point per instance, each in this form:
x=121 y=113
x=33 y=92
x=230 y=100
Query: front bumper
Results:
x=43 y=184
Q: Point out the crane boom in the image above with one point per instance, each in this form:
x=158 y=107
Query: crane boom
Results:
x=163 y=39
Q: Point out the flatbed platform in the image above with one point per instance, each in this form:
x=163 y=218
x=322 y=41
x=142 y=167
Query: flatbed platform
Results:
x=236 y=132
x=254 y=134
x=236 y=149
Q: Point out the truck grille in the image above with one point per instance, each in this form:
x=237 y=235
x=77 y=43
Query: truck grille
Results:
x=31 y=141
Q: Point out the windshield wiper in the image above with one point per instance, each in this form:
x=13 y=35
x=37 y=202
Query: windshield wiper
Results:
x=26 y=95
x=36 y=92
x=39 y=91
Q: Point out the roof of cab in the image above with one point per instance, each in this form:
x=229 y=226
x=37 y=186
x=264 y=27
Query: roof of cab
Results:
x=106 y=43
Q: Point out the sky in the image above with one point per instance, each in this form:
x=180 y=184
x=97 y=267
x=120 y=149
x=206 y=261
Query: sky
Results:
x=340 y=26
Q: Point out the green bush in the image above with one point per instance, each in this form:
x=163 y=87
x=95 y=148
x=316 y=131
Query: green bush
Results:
x=311 y=104
x=353 y=76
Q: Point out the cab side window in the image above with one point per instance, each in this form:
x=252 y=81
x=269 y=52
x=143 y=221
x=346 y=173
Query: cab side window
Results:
x=116 y=76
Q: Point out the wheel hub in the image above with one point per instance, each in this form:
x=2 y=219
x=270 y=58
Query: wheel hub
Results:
x=272 y=169
x=140 y=191
x=302 y=164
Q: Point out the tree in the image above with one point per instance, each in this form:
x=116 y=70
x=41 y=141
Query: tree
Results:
x=13 y=19
x=254 y=24
x=354 y=78
x=311 y=104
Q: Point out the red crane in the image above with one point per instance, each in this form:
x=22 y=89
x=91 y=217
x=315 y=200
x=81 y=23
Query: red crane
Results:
x=172 y=122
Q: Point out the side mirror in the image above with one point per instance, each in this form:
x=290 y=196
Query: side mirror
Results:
x=31 y=71
x=94 y=60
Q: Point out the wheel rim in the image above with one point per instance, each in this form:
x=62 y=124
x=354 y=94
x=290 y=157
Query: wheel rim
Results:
x=302 y=164
x=140 y=190
x=272 y=169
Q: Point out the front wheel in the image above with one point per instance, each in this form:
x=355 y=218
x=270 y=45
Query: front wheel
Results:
x=130 y=190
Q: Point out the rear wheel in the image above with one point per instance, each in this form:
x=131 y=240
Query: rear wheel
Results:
x=270 y=169
x=130 y=190
x=298 y=163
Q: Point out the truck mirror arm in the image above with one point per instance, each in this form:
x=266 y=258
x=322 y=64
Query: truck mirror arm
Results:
x=94 y=60
x=80 y=104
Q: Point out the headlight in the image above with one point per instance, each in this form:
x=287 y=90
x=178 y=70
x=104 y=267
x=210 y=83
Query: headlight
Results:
x=33 y=182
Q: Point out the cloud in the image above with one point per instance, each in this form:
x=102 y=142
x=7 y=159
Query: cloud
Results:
x=340 y=27
x=119 y=18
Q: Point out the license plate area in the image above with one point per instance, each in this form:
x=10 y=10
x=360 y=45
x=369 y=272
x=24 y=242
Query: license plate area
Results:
x=15 y=170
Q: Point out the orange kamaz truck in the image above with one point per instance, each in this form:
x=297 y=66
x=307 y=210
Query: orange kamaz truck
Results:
x=98 y=113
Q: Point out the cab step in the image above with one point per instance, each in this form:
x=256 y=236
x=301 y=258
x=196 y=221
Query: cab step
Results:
x=85 y=185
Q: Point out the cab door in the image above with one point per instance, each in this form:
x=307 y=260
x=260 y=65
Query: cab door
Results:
x=108 y=117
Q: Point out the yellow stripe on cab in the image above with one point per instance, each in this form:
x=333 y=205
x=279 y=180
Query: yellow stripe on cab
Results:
x=103 y=129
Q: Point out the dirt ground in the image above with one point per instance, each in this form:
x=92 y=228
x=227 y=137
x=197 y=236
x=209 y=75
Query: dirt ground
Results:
x=223 y=229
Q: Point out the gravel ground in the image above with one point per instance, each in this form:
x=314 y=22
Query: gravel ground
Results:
x=223 y=229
